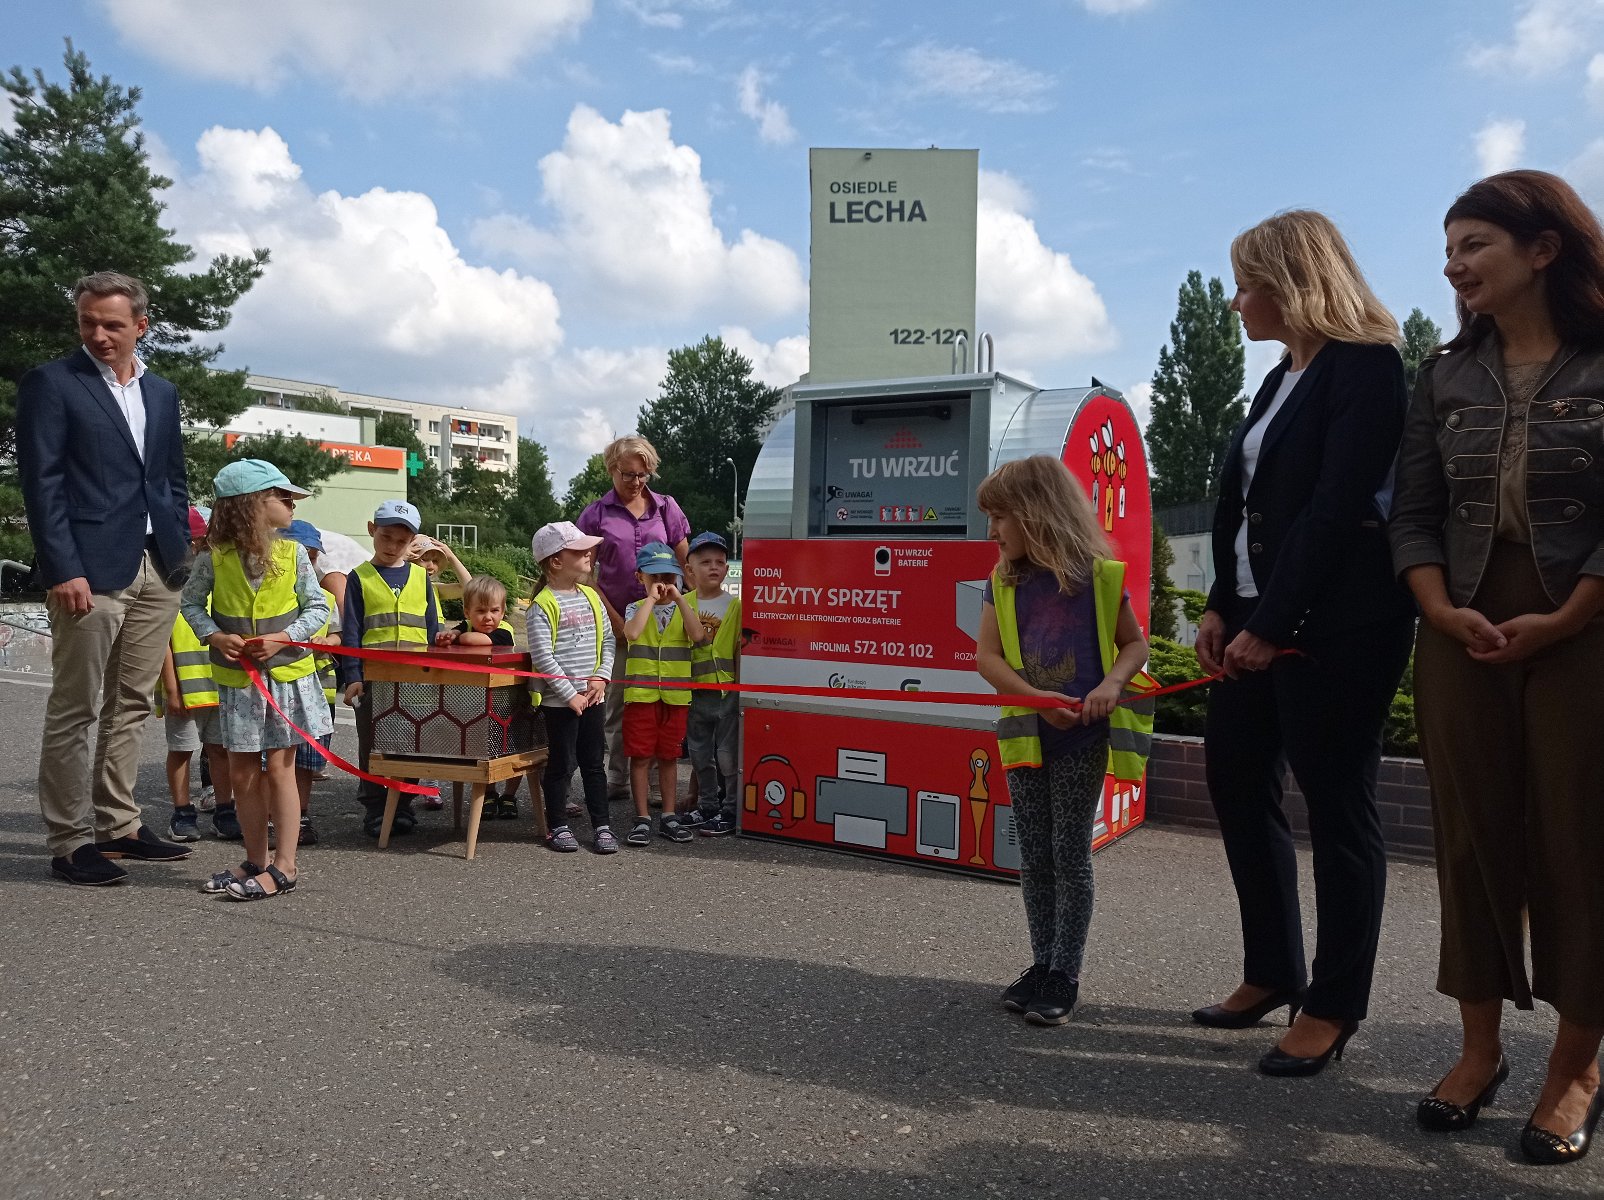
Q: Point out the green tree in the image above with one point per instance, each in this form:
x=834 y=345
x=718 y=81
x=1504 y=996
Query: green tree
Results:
x=478 y=489
x=1421 y=336
x=322 y=402
x=77 y=195
x=1161 y=621
x=303 y=462
x=708 y=409
x=1197 y=394
x=534 y=502
x=591 y=484
x=425 y=488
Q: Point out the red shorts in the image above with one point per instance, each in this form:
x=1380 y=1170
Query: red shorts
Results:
x=654 y=729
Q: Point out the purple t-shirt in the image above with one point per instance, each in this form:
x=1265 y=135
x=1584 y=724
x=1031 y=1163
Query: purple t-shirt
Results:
x=622 y=533
x=1058 y=652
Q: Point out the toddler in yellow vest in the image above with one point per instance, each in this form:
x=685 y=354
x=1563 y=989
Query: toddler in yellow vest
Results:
x=661 y=628
x=264 y=596
x=711 y=733
x=1056 y=623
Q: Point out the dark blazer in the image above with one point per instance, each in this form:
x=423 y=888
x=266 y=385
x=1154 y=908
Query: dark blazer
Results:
x=1317 y=542
x=86 y=491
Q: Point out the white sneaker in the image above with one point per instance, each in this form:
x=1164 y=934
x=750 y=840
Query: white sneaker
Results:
x=208 y=799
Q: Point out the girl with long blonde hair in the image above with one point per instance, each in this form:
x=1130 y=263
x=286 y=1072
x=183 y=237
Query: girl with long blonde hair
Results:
x=1053 y=603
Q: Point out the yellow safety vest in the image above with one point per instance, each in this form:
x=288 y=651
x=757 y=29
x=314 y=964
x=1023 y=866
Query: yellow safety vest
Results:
x=250 y=612
x=715 y=662
x=325 y=662
x=547 y=603
x=192 y=661
x=657 y=661
x=1130 y=725
x=390 y=619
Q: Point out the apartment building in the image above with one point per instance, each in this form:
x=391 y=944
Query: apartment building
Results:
x=488 y=438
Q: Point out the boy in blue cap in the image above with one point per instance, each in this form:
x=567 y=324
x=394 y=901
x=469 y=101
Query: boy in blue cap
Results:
x=389 y=606
x=661 y=628
x=308 y=762
x=711 y=732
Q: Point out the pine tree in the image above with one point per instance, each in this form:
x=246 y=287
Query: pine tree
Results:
x=590 y=484
x=708 y=409
x=1197 y=395
x=77 y=195
x=534 y=503
x=1421 y=337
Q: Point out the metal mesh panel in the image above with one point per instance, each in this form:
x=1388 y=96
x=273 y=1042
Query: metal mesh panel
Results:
x=454 y=721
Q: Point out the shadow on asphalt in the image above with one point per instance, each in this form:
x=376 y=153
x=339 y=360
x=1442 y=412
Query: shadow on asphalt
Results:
x=947 y=1047
x=1098 y=1169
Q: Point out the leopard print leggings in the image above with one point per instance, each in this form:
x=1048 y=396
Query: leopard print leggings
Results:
x=1054 y=806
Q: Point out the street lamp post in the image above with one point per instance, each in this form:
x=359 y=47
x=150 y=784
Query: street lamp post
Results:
x=735 y=508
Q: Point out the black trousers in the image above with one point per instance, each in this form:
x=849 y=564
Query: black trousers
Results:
x=1321 y=713
x=575 y=739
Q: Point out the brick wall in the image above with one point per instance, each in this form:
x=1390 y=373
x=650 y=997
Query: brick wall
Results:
x=1178 y=794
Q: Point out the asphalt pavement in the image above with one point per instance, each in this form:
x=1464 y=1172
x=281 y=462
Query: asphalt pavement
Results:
x=723 y=1019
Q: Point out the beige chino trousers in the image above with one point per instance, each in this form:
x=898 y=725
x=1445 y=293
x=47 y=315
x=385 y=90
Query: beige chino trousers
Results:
x=104 y=664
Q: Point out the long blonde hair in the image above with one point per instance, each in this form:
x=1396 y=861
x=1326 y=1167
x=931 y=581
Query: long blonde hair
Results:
x=1055 y=518
x=1301 y=259
x=241 y=522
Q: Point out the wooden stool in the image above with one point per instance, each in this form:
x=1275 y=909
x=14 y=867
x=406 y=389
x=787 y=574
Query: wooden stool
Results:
x=479 y=773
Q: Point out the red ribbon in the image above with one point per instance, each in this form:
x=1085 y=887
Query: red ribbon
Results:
x=400 y=785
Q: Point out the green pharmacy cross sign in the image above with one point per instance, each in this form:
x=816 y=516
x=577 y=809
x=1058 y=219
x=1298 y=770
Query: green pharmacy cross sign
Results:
x=414 y=463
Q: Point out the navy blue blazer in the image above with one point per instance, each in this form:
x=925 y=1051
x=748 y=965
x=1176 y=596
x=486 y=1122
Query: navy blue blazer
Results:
x=86 y=491
x=1317 y=542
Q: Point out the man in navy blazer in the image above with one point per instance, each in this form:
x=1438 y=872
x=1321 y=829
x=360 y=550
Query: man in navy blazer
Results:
x=101 y=454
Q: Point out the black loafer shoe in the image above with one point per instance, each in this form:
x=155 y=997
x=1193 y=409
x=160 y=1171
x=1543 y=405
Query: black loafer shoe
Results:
x=87 y=867
x=144 y=845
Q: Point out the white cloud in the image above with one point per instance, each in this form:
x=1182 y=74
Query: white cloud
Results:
x=1140 y=397
x=778 y=364
x=1499 y=145
x=1595 y=80
x=634 y=232
x=351 y=276
x=1586 y=173
x=368 y=48
x=965 y=76
x=1547 y=34
x=773 y=122
x=1105 y=8
x=8 y=113
x=1030 y=297
x=653 y=16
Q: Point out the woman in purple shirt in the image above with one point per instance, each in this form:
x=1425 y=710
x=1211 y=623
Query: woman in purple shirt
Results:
x=627 y=518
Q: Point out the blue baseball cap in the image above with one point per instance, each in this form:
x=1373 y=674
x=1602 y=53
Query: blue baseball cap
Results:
x=655 y=558
x=247 y=475
x=304 y=532
x=398 y=512
x=703 y=540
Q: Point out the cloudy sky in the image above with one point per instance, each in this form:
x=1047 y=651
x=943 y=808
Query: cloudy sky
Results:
x=524 y=205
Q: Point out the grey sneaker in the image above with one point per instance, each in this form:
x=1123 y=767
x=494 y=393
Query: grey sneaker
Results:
x=185 y=825
x=562 y=840
x=605 y=842
x=208 y=798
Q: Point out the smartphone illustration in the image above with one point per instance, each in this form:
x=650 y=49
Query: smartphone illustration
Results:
x=937 y=831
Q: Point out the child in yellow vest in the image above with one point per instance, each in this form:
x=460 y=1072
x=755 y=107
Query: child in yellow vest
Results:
x=661 y=629
x=711 y=733
x=264 y=595
x=308 y=762
x=388 y=606
x=188 y=707
x=1057 y=623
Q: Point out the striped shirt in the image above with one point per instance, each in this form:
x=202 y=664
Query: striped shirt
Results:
x=574 y=652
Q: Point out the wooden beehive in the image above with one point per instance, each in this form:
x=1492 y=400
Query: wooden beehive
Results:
x=426 y=709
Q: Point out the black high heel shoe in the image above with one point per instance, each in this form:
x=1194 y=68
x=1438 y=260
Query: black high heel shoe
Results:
x=1278 y=1062
x=1549 y=1149
x=1444 y=1116
x=1217 y=1016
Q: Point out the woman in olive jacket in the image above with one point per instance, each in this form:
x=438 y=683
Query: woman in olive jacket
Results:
x=1498 y=529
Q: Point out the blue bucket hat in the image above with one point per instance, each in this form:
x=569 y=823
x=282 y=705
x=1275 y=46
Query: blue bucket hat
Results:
x=655 y=558
x=703 y=540
x=304 y=532
x=248 y=475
